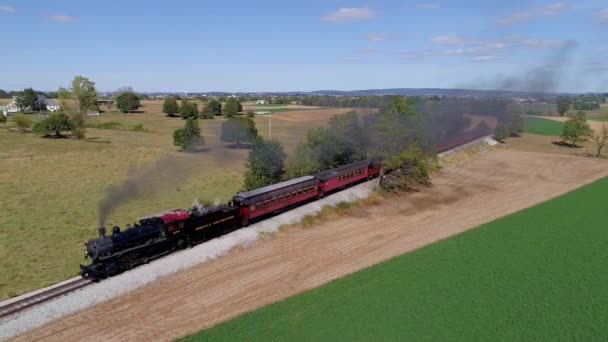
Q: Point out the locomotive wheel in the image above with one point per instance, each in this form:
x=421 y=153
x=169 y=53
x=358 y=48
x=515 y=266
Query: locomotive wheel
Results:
x=320 y=195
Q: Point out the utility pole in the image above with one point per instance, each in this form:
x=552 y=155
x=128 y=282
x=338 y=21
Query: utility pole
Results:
x=270 y=125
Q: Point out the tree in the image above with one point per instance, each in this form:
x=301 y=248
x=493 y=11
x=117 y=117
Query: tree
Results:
x=563 y=105
x=77 y=124
x=411 y=166
x=231 y=108
x=190 y=134
x=343 y=142
x=214 y=108
x=28 y=100
x=601 y=140
x=22 y=122
x=576 y=130
x=302 y=161
x=188 y=109
x=238 y=130
x=53 y=125
x=516 y=124
x=250 y=114
x=390 y=133
x=265 y=164
x=83 y=93
x=170 y=107
x=501 y=132
x=127 y=102
x=400 y=106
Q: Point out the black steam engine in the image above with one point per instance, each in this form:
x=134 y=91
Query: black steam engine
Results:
x=154 y=236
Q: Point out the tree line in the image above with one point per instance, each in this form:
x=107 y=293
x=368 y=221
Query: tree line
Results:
x=212 y=109
x=401 y=134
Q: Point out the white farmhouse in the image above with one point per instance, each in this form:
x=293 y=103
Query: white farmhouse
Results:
x=52 y=105
x=12 y=107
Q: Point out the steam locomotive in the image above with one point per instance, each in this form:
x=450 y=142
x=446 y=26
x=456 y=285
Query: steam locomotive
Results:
x=154 y=236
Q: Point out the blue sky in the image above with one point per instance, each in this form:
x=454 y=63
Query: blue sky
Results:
x=187 y=45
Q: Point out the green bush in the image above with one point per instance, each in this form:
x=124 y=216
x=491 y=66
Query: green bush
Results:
x=501 y=132
x=185 y=137
x=53 y=125
x=22 y=122
x=138 y=128
x=409 y=167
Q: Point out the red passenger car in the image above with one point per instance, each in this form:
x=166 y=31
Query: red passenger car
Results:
x=266 y=200
x=343 y=176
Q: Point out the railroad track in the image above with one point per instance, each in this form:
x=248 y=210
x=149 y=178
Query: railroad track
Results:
x=20 y=303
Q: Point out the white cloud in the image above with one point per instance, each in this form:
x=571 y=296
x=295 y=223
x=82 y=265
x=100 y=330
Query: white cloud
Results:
x=476 y=46
x=367 y=50
x=484 y=58
x=548 y=43
x=350 y=59
x=602 y=16
x=8 y=9
x=350 y=14
x=376 y=37
x=429 y=6
x=62 y=18
x=556 y=8
x=553 y=9
x=514 y=18
x=412 y=54
x=450 y=39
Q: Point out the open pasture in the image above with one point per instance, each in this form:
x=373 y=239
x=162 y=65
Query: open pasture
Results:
x=51 y=188
x=538 y=275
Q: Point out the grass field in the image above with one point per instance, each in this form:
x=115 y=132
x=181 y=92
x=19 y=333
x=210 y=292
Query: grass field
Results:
x=534 y=125
x=51 y=188
x=537 y=275
x=550 y=109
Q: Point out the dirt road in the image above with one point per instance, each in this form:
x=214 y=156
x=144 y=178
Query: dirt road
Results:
x=481 y=190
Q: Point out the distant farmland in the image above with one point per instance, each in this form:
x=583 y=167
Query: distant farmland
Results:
x=541 y=126
x=537 y=275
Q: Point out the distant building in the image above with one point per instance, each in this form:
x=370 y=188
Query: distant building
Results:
x=262 y=102
x=44 y=103
x=52 y=105
x=11 y=107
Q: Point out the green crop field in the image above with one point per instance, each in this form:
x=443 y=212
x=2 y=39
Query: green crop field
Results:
x=534 y=125
x=537 y=275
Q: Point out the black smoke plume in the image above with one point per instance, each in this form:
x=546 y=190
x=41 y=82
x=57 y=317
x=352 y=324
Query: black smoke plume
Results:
x=147 y=180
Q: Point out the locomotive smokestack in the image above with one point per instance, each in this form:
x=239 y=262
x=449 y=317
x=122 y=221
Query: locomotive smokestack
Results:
x=102 y=232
